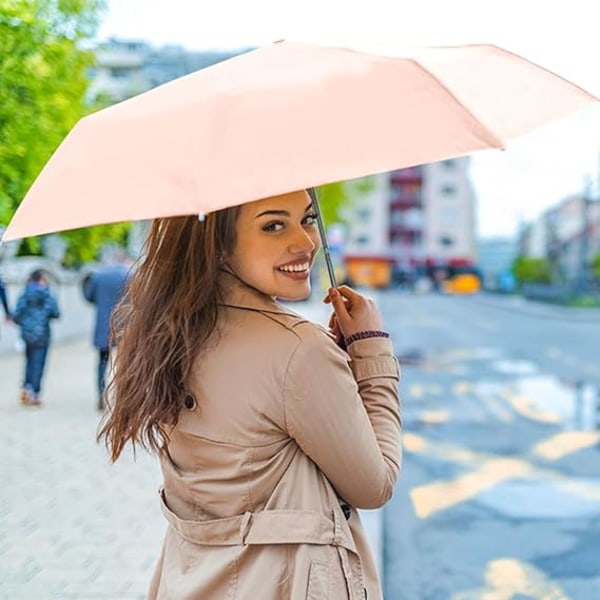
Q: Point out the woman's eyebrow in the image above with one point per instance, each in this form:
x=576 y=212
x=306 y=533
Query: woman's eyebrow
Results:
x=282 y=213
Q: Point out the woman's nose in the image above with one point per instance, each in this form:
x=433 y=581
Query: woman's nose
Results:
x=302 y=242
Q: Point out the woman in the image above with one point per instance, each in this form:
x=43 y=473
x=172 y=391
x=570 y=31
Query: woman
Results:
x=269 y=434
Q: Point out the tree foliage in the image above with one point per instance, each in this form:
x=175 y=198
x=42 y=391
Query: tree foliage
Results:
x=336 y=198
x=532 y=270
x=43 y=64
x=596 y=266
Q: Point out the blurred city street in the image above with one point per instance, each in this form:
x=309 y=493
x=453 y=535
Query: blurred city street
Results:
x=500 y=491
x=484 y=263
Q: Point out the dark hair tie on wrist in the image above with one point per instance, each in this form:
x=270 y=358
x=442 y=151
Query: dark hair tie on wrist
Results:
x=364 y=335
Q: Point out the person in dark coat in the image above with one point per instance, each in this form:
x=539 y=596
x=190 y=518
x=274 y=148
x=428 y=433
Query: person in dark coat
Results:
x=4 y=301
x=35 y=308
x=104 y=289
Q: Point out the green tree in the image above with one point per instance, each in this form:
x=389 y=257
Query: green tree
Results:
x=43 y=75
x=596 y=266
x=336 y=198
x=532 y=270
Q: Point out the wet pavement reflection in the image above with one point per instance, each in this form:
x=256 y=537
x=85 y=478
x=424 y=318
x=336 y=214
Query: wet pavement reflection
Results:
x=500 y=494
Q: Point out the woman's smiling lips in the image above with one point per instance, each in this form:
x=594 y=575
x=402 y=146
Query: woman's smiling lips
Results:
x=295 y=269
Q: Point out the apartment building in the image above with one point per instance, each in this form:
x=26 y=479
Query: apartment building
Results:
x=125 y=68
x=567 y=234
x=423 y=215
x=449 y=213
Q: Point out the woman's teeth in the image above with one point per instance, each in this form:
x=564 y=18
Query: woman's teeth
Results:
x=295 y=268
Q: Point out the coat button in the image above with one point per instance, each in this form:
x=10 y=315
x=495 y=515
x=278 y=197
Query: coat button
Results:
x=190 y=401
x=347 y=511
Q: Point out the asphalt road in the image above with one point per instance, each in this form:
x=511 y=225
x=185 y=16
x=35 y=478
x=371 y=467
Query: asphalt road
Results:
x=500 y=492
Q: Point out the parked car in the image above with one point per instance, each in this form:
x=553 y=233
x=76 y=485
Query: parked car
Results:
x=463 y=280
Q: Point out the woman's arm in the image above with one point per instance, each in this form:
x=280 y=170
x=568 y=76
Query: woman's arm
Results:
x=343 y=410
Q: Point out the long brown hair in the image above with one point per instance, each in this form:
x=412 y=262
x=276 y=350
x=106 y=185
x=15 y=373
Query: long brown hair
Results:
x=168 y=312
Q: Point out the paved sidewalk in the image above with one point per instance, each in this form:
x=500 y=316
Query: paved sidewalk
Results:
x=72 y=526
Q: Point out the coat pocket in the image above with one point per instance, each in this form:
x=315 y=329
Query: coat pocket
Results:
x=318 y=581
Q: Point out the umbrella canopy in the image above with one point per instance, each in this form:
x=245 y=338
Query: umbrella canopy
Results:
x=284 y=117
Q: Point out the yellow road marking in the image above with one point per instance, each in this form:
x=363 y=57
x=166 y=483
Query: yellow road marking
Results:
x=462 y=387
x=525 y=406
x=561 y=444
x=496 y=407
x=434 y=417
x=433 y=497
x=416 y=444
x=416 y=391
x=506 y=577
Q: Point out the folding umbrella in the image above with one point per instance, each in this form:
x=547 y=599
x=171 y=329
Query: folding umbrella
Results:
x=284 y=117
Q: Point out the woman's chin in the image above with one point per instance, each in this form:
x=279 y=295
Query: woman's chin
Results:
x=296 y=294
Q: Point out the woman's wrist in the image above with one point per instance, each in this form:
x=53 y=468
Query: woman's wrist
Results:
x=364 y=335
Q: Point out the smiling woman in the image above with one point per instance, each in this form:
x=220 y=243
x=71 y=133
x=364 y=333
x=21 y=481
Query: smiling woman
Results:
x=270 y=430
x=277 y=241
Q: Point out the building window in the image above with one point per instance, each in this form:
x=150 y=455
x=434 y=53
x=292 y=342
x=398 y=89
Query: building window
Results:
x=446 y=240
x=449 y=164
x=362 y=240
x=364 y=212
x=448 y=190
x=119 y=73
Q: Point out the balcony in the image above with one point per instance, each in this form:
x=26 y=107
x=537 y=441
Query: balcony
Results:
x=412 y=174
x=405 y=200
x=405 y=229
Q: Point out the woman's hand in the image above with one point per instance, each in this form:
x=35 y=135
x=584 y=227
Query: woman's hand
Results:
x=353 y=312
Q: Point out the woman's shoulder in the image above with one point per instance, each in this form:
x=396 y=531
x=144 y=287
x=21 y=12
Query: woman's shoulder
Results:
x=282 y=328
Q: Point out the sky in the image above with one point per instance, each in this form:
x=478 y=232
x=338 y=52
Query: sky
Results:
x=512 y=186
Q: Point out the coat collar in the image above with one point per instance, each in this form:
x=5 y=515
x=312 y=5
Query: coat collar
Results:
x=238 y=294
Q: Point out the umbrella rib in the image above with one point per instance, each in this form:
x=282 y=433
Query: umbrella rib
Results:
x=487 y=134
x=589 y=95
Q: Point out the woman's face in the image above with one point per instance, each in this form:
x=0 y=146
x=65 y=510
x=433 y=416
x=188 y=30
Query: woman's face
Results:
x=277 y=241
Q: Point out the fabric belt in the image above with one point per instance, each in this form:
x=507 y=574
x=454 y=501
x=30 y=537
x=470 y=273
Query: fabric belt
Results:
x=264 y=527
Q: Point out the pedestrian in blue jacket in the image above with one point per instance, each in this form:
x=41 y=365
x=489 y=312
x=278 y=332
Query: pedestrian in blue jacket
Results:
x=104 y=289
x=35 y=308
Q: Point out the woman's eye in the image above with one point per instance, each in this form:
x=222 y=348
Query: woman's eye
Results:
x=310 y=219
x=273 y=226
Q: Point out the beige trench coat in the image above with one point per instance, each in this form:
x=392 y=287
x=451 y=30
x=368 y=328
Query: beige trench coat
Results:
x=288 y=432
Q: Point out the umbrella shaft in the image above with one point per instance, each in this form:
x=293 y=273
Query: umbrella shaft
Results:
x=315 y=201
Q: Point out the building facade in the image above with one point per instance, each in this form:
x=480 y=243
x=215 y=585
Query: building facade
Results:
x=449 y=213
x=422 y=215
x=125 y=68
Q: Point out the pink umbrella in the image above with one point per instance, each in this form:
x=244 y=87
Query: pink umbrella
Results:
x=284 y=117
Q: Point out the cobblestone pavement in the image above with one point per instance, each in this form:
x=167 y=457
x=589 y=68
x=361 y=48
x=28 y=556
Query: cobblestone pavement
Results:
x=73 y=526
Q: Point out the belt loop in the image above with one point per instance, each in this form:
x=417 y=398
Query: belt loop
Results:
x=245 y=526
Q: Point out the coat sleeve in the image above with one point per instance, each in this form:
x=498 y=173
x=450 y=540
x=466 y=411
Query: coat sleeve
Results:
x=89 y=288
x=3 y=299
x=53 y=310
x=19 y=310
x=343 y=410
